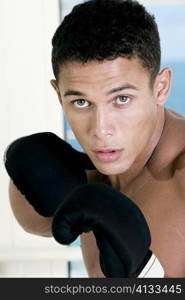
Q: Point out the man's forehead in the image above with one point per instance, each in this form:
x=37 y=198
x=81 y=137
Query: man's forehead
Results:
x=108 y=68
x=80 y=79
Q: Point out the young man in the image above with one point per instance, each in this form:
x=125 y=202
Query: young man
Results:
x=106 y=62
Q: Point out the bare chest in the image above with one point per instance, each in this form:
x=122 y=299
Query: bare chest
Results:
x=164 y=210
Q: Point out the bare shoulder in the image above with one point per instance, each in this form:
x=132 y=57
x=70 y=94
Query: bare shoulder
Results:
x=178 y=139
x=178 y=142
x=168 y=154
x=174 y=137
x=179 y=171
x=177 y=123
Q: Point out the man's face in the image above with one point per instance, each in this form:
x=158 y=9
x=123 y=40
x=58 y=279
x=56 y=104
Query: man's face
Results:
x=112 y=110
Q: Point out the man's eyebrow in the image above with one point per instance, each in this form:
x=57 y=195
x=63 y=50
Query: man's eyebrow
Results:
x=122 y=88
x=73 y=93
x=112 y=91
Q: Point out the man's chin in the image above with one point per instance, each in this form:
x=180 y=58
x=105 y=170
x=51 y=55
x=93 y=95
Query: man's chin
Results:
x=109 y=170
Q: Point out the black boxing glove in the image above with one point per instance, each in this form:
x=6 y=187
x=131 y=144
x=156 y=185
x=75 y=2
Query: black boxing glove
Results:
x=45 y=168
x=121 y=231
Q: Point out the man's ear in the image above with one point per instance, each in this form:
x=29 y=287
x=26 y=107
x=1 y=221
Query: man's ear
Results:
x=56 y=88
x=163 y=85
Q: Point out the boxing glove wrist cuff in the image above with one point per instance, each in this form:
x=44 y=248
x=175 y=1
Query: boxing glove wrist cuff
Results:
x=153 y=268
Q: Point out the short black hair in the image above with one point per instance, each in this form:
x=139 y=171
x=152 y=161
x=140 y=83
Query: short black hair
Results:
x=104 y=30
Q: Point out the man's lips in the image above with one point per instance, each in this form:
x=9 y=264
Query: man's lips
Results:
x=108 y=155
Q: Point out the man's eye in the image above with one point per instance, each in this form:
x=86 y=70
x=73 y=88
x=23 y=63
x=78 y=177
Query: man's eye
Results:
x=80 y=103
x=122 y=99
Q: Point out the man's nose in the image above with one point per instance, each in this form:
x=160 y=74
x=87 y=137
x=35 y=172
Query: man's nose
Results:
x=102 y=124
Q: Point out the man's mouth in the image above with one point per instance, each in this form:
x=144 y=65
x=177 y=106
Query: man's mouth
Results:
x=108 y=155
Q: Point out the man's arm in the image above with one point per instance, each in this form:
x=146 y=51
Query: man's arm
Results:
x=88 y=245
x=26 y=215
x=90 y=254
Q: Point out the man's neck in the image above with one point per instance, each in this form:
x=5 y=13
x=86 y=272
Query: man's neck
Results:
x=122 y=181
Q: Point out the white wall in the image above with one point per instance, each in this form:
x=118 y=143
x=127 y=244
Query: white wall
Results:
x=28 y=104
